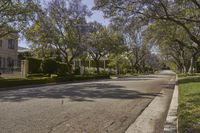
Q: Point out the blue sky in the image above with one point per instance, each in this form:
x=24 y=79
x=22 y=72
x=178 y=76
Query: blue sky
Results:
x=97 y=16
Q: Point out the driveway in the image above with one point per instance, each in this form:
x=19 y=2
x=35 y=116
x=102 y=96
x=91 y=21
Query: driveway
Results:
x=90 y=107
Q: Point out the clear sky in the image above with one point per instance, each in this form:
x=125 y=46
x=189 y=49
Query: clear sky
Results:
x=97 y=16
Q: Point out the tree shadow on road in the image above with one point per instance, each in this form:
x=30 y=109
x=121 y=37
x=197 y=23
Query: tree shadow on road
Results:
x=78 y=92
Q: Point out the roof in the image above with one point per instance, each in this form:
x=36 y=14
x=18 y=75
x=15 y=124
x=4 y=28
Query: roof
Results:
x=22 y=49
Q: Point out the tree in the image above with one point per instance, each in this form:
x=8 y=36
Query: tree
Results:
x=15 y=14
x=102 y=41
x=24 y=55
x=137 y=50
x=61 y=25
x=120 y=62
x=183 y=13
x=174 y=42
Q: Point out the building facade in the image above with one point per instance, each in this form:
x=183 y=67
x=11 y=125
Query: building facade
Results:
x=8 y=52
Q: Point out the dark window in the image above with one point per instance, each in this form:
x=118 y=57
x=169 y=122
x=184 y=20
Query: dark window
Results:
x=1 y=43
x=11 y=44
x=4 y=62
x=10 y=62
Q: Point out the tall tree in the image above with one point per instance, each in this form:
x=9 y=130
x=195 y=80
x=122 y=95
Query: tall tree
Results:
x=183 y=13
x=102 y=41
x=15 y=15
x=174 y=42
x=62 y=25
x=137 y=49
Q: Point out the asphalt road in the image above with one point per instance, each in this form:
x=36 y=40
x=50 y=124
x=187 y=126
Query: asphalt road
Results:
x=90 y=107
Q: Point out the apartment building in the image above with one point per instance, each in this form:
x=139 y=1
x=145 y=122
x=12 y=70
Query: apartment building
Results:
x=8 y=52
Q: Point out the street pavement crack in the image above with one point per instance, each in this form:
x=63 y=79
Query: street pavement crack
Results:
x=60 y=123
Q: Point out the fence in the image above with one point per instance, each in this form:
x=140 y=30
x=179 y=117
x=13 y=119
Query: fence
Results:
x=11 y=70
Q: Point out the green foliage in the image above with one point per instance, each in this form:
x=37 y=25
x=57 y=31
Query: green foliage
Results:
x=14 y=15
x=120 y=62
x=198 y=65
x=173 y=25
x=62 y=69
x=24 y=55
x=77 y=71
x=34 y=65
x=103 y=40
x=49 y=66
x=60 y=25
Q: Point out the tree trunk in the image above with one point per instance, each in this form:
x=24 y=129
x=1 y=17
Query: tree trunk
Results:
x=184 y=69
x=190 y=71
x=192 y=62
x=117 y=70
x=97 y=66
x=69 y=66
x=132 y=68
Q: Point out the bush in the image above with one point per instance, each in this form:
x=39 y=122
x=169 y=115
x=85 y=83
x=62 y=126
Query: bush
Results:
x=34 y=65
x=49 y=66
x=104 y=72
x=62 y=69
x=77 y=71
x=36 y=75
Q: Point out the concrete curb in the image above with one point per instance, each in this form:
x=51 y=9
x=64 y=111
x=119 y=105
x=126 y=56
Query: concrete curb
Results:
x=150 y=118
x=171 y=124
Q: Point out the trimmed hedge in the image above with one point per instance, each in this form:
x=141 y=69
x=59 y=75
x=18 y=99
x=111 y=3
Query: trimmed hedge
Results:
x=49 y=66
x=34 y=65
x=62 y=69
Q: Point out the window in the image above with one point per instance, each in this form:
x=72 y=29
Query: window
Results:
x=1 y=43
x=10 y=62
x=11 y=44
x=4 y=62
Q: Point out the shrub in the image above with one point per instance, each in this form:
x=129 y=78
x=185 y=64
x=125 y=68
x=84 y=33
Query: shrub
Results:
x=104 y=72
x=49 y=66
x=77 y=71
x=36 y=75
x=62 y=69
x=34 y=65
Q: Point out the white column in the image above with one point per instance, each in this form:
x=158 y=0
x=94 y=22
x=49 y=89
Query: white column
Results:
x=24 y=68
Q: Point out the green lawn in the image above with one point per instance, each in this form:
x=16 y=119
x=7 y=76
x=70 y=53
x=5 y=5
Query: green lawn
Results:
x=189 y=104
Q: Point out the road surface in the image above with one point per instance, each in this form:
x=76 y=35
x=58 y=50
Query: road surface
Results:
x=109 y=106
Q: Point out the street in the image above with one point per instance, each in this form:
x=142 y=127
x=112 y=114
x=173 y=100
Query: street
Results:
x=89 y=107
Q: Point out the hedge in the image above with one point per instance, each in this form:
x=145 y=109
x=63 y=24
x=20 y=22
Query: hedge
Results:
x=62 y=69
x=49 y=66
x=34 y=65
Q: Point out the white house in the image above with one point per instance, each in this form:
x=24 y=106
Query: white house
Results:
x=8 y=52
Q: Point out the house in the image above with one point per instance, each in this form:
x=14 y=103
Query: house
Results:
x=8 y=52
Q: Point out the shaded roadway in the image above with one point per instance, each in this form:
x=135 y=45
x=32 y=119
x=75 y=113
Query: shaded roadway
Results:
x=103 y=106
